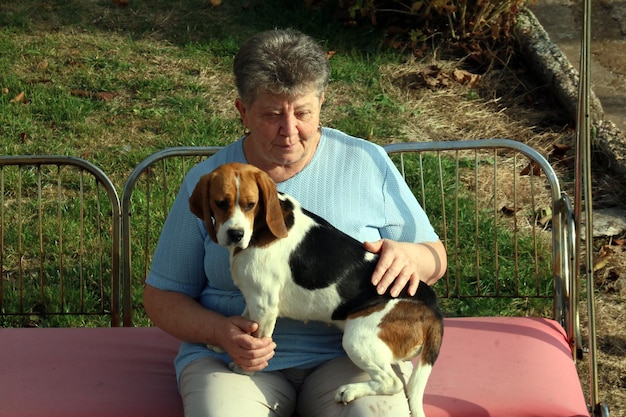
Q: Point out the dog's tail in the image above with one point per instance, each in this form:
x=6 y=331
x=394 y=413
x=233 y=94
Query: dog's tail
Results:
x=423 y=366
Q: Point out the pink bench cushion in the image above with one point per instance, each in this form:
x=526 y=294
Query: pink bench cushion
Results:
x=487 y=367
x=104 y=372
x=504 y=366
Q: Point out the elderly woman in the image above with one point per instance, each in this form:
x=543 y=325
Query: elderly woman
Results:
x=281 y=77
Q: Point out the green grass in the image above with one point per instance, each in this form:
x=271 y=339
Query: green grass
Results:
x=168 y=66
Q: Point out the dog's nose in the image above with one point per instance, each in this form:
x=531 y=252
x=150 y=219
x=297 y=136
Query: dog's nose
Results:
x=235 y=235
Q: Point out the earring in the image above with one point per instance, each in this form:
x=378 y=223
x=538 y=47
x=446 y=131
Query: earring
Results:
x=246 y=131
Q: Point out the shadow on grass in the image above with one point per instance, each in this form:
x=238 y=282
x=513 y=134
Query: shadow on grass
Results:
x=187 y=22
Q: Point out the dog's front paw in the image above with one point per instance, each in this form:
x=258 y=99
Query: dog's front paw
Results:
x=237 y=369
x=350 y=392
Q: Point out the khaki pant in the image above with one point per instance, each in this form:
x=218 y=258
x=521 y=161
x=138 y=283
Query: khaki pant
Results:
x=210 y=389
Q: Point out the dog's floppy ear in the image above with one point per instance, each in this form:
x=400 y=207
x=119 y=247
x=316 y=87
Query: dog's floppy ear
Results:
x=200 y=204
x=273 y=212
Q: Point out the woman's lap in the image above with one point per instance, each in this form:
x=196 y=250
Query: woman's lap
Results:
x=209 y=388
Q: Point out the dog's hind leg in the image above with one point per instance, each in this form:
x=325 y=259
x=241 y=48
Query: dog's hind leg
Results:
x=372 y=355
x=416 y=387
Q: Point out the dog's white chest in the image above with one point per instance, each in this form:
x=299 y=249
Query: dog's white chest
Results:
x=264 y=277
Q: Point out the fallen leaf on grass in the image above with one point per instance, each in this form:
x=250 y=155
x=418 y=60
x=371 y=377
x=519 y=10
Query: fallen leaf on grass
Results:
x=104 y=96
x=80 y=93
x=215 y=3
x=434 y=77
x=20 y=98
x=120 y=3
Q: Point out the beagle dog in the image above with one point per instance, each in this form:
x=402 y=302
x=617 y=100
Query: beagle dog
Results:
x=289 y=262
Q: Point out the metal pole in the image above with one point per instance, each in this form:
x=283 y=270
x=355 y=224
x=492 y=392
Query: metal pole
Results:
x=584 y=179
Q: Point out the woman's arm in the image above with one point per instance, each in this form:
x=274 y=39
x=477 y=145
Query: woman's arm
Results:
x=403 y=263
x=183 y=317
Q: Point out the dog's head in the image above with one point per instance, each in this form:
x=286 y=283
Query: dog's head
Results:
x=236 y=200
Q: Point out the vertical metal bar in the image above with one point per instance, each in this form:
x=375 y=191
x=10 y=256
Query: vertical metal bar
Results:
x=444 y=219
x=165 y=206
x=101 y=250
x=81 y=248
x=60 y=230
x=456 y=223
x=42 y=276
x=476 y=226
x=422 y=181
x=515 y=228
x=533 y=204
x=583 y=173
x=147 y=251
x=20 y=252
x=495 y=220
x=2 y=237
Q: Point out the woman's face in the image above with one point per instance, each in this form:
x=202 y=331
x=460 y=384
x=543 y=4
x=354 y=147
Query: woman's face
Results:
x=283 y=132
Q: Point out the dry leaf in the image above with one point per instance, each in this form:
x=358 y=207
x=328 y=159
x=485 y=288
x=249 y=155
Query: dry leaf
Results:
x=606 y=250
x=104 y=95
x=20 y=98
x=80 y=93
x=433 y=77
x=535 y=167
x=602 y=259
x=559 y=151
x=216 y=3
x=600 y=262
x=466 y=77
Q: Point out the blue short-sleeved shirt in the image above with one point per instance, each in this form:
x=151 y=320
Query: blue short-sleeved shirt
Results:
x=349 y=181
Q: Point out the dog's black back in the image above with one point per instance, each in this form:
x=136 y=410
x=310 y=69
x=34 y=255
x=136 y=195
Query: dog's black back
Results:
x=345 y=263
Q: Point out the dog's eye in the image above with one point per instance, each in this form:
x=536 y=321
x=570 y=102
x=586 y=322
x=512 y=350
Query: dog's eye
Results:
x=222 y=204
x=249 y=206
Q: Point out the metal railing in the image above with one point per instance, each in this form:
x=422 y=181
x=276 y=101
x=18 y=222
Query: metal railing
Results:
x=59 y=241
x=69 y=246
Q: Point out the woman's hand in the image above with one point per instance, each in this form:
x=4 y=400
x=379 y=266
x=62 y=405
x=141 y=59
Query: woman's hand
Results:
x=194 y=323
x=404 y=264
x=250 y=353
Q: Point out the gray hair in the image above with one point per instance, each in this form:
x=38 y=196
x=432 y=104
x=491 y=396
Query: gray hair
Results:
x=285 y=62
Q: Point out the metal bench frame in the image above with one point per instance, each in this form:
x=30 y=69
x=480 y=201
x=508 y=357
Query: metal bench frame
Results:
x=154 y=170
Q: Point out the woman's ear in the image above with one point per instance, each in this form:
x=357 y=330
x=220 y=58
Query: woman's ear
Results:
x=243 y=110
